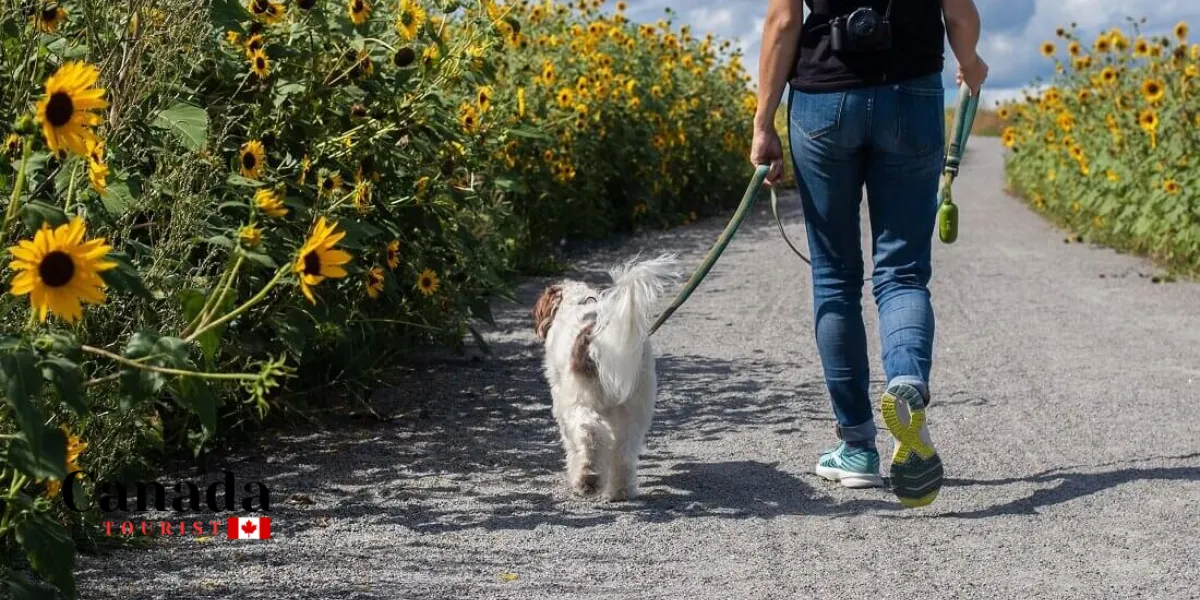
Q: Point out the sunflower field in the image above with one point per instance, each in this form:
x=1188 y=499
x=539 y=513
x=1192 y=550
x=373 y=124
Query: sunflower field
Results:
x=1107 y=148
x=217 y=210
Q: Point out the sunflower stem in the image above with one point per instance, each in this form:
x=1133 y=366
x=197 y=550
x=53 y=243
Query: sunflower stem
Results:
x=71 y=187
x=18 y=186
x=243 y=308
x=166 y=370
x=217 y=298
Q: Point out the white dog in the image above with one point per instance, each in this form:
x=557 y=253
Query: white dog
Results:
x=600 y=366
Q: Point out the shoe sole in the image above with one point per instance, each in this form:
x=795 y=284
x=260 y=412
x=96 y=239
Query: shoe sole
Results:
x=916 y=470
x=848 y=479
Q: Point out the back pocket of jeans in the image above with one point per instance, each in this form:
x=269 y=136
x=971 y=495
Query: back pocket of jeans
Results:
x=922 y=126
x=816 y=114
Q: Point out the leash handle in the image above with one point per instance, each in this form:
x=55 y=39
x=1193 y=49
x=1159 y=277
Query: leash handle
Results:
x=964 y=119
x=743 y=209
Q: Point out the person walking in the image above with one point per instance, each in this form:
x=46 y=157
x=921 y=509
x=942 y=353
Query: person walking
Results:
x=866 y=107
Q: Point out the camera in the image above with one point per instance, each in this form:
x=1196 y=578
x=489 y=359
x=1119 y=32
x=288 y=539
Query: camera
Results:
x=863 y=30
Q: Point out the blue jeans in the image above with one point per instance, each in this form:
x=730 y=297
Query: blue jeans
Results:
x=891 y=139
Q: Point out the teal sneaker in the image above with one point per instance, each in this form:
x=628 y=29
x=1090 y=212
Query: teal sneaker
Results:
x=851 y=466
x=917 y=472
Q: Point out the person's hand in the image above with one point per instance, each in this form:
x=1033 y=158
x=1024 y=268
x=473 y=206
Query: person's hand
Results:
x=767 y=150
x=974 y=72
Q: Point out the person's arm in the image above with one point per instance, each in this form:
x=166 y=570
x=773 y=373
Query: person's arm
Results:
x=781 y=37
x=962 y=30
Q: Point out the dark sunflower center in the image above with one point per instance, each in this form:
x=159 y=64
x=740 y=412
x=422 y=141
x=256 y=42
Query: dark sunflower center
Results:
x=306 y=4
x=404 y=57
x=59 y=109
x=260 y=6
x=327 y=184
x=358 y=6
x=426 y=282
x=56 y=269
x=312 y=264
x=249 y=161
x=406 y=18
x=257 y=45
x=260 y=62
x=50 y=14
x=1152 y=88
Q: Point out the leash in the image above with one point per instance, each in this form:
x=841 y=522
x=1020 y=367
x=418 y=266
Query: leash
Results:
x=964 y=117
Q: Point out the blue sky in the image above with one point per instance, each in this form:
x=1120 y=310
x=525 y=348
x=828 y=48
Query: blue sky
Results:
x=1012 y=29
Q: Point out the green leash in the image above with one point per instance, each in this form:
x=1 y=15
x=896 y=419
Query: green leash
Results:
x=964 y=117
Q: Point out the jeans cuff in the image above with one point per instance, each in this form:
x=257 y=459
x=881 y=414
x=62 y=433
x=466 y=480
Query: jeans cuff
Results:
x=914 y=381
x=858 y=433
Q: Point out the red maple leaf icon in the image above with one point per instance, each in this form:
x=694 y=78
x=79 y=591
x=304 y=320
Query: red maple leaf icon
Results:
x=249 y=527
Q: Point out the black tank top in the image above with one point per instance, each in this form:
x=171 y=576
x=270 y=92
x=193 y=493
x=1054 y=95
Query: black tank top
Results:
x=917 y=46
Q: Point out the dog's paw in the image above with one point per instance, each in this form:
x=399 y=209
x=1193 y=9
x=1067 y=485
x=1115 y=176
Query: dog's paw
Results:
x=621 y=495
x=586 y=484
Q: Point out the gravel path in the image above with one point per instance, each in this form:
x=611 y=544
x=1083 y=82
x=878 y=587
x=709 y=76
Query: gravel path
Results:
x=1065 y=382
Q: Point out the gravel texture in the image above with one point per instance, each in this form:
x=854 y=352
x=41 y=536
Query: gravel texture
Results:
x=1065 y=385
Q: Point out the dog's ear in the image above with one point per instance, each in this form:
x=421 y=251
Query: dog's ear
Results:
x=543 y=311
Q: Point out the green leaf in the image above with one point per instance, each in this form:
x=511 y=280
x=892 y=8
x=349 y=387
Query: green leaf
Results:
x=220 y=240
x=45 y=457
x=189 y=123
x=192 y=302
x=119 y=198
x=22 y=385
x=24 y=589
x=35 y=213
x=227 y=14
x=294 y=331
x=140 y=384
x=125 y=277
x=50 y=551
x=194 y=394
x=260 y=258
x=238 y=180
x=68 y=380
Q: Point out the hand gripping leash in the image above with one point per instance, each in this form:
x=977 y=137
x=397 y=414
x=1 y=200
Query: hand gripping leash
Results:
x=964 y=117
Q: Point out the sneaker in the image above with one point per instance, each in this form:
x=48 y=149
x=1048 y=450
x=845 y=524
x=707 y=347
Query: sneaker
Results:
x=917 y=472
x=852 y=466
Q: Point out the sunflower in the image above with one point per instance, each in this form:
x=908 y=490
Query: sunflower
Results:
x=266 y=11
x=1111 y=175
x=1148 y=120
x=1108 y=75
x=260 y=65
x=374 y=282
x=411 y=18
x=430 y=56
x=252 y=157
x=13 y=145
x=404 y=57
x=330 y=184
x=305 y=167
x=1141 y=47
x=75 y=448
x=232 y=37
x=1009 y=138
x=521 y=102
x=270 y=203
x=621 y=6
x=1074 y=48
x=58 y=270
x=97 y=168
x=1048 y=49
x=1191 y=71
x=1181 y=31
x=393 y=254
x=1153 y=90
x=483 y=97
x=66 y=111
x=250 y=235
x=566 y=97
x=318 y=259
x=360 y=10
x=1170 y=186
x=1103 y=44
x=254 y=44
x=1066 y=121
x=50 y=17
x=1084 y=95
x=548 y=74
x=427 y=283
x=468 y=117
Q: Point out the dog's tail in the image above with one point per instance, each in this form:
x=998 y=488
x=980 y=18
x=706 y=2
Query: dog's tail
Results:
x=623 y=322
